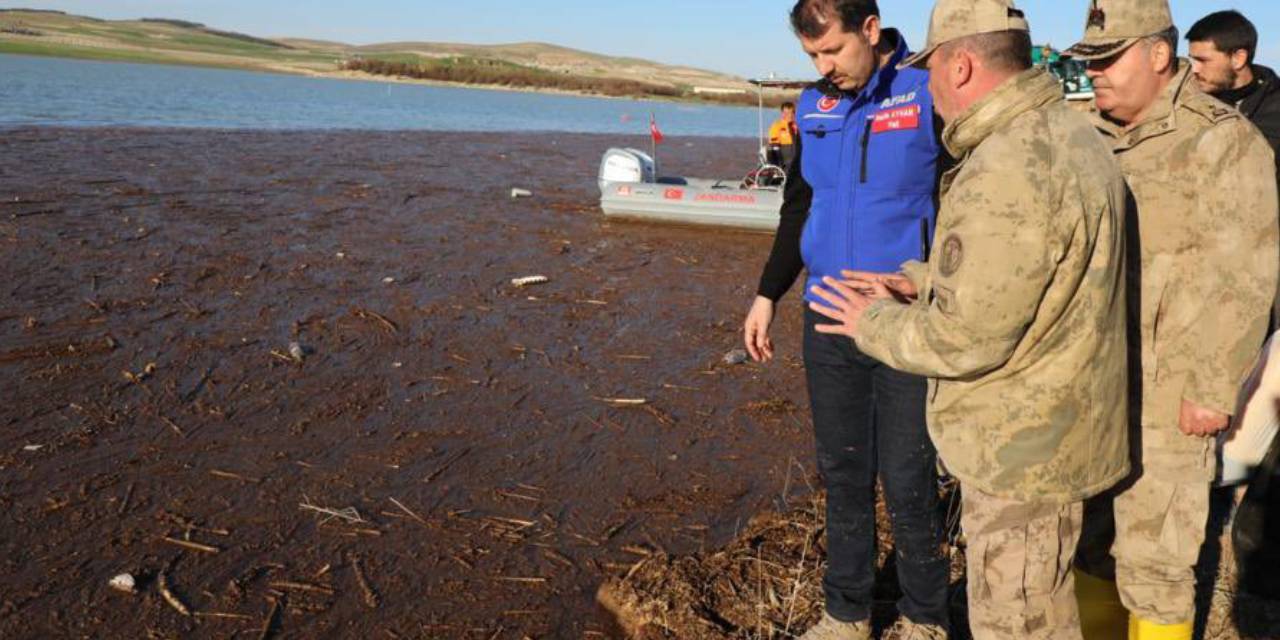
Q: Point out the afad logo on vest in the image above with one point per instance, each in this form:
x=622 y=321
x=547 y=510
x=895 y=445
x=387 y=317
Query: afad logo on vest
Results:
x=827 y=103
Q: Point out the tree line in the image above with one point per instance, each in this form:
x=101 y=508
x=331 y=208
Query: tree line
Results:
x=508 y=75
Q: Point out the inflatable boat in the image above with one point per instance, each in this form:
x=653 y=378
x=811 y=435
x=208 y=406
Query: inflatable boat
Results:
x=630 y=189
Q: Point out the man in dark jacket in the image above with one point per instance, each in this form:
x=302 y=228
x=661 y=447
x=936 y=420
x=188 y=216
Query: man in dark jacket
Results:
x=1222 y=49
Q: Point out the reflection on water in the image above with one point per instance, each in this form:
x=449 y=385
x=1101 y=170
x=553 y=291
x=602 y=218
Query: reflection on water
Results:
x=52 y=91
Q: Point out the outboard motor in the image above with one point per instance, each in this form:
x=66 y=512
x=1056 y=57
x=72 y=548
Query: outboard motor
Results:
x=625 y=165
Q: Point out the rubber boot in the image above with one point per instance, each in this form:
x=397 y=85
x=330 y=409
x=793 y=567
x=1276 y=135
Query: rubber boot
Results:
x=1140 y=629
x=1102 y=616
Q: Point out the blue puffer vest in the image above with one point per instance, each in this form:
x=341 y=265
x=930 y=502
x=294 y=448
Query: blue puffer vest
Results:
x=872 y=161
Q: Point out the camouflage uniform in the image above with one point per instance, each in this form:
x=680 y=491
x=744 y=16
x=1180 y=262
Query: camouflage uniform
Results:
x=1201 y=275
x=1020 y=326
x=1204 y=184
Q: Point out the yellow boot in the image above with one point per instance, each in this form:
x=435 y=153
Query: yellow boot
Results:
x=1102 y=616
x=1140 y=629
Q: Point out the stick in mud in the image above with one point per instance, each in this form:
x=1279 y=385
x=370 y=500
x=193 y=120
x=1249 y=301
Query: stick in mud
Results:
x=367 y=314
x=349 y=514
x=162 y=583
x=370 y=596
x=124 y=504
x=269 y=625
x=409 y=511
x=195 y=546
x=232 y=476
x=441 y=469
x=219 y=614
x=302 y=586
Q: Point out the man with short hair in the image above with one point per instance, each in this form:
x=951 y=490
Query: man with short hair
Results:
x=1018 y=319
x=1222 y=47
x=860 y=195
x=1202 y=277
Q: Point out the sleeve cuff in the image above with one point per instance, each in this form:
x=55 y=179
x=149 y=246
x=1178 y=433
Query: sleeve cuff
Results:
x=1220 y=398
x=917 y=272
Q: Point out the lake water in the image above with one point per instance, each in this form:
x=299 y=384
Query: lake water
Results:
x=52 y=91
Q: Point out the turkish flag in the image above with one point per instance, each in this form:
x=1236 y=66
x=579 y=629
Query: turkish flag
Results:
x=653 y=130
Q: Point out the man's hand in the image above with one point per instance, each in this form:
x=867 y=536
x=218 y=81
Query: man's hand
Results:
x=846 y=306
x=755 y=331
x=1195 y=420
x=894 y=285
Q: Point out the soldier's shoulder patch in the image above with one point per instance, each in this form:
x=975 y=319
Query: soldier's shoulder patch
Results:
x=952 y=256
x=1209 y=108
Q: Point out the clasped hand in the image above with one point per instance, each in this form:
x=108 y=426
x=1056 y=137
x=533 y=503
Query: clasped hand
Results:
x=848 y=299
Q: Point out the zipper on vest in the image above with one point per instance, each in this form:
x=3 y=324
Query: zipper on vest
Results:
x=866 y=141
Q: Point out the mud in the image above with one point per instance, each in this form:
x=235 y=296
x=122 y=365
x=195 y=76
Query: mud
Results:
x=443 y=460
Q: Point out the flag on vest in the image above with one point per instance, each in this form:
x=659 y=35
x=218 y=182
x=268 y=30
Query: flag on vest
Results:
x=653 y=130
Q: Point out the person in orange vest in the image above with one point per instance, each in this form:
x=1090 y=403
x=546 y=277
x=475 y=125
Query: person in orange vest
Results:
x=782 y=137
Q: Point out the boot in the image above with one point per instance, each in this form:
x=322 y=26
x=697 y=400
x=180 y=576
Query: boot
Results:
x=829 y=628
x=1102 y=616
x=1140 y=629
x=905 y=629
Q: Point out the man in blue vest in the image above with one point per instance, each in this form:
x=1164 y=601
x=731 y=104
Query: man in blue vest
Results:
x=862 y=196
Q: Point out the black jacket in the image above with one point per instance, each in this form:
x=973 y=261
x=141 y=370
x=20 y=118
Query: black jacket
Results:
x=1262 y=107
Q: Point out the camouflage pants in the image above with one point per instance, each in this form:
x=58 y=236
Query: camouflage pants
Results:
x=1154 y=528
x=1019 y=567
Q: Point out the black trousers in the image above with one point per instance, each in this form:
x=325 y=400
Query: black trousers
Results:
x=869 y=420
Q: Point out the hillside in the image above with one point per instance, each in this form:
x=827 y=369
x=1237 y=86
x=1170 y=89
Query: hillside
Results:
x=529 y=65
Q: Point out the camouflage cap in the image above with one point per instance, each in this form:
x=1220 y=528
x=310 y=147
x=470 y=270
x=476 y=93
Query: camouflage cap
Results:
x=955 y=19
x=1114 y=25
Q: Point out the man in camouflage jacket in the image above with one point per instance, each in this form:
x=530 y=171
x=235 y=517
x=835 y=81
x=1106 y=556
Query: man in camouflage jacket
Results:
x=1018 y=319
x=1201 y=284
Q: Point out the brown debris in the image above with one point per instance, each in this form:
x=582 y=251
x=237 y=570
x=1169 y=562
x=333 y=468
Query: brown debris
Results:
x=370 y=596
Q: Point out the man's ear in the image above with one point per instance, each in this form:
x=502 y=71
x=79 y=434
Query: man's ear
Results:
x=960 y=68
x=1161 y=56
x=1239 y=59
x=871 y=30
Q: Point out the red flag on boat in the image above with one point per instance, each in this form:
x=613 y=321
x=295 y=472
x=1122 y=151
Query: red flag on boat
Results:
x=653 y=130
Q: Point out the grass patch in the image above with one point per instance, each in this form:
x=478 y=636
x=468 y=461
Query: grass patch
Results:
x=53 y=50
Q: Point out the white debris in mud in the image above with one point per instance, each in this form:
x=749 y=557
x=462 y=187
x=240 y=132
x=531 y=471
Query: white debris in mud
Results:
x=530 y=280
x=124 y=582
x=521 y=193
x=296 y=351
x=388 y=280
x=33 y=447
x=737 y=356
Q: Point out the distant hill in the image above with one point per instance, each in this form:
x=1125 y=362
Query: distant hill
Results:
x=528 y=65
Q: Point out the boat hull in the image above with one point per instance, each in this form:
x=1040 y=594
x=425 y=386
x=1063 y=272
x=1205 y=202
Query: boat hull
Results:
x=693 y=201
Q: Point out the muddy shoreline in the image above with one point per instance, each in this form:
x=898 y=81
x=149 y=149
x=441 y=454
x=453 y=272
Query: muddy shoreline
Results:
x=156 y=278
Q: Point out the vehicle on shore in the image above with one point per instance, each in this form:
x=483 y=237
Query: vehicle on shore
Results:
x=1069 y=71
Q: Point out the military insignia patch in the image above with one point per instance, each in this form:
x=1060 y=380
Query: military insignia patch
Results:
x=1097 y=17
x=952 y=256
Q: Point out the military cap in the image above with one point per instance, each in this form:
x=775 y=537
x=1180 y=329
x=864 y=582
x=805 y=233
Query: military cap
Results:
x=1114 y=25
x=955 y=19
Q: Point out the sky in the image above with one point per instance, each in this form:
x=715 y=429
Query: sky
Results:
x=743 y=37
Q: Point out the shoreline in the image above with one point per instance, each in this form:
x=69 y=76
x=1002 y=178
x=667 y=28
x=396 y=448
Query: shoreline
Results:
x=634 y=140
x=340 y=74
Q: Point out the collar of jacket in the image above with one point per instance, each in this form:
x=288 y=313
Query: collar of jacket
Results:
x=1268 y=84
x=1028 y=90
x=1160 y=119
